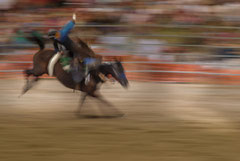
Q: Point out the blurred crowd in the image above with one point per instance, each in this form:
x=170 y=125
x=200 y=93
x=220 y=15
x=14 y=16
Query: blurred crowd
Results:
x=151 y=27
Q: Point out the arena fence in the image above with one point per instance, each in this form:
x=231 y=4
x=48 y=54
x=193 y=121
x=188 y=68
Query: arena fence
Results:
x=138 y=67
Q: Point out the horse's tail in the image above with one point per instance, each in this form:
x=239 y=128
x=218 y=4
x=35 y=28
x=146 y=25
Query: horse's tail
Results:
x=36 y=38
x=39 y=41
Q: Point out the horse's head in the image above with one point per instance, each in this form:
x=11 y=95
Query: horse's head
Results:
x=117 y=71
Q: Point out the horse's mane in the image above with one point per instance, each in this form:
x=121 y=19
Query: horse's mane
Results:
x=85 y=47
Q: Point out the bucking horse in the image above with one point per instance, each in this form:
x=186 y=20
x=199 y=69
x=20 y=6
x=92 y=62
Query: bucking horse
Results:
x=40 y=66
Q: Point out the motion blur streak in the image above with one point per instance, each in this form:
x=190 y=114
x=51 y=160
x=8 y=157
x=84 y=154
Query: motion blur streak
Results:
x=181 y=59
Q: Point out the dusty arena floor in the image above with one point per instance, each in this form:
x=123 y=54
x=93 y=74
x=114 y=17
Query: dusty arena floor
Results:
x=167 y=122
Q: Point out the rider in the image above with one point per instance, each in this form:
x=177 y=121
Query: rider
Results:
x=61 y=38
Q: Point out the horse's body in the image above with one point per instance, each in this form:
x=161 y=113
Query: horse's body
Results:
x=40 y=67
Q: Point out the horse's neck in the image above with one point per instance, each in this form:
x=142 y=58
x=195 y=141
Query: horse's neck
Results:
x=105 y=69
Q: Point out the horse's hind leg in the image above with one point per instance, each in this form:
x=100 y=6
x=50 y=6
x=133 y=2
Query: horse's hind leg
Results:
x=38 y=70
x=27 y=74
x=29 y=83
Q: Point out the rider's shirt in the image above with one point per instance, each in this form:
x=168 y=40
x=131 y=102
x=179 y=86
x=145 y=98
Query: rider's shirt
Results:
x=63 y=38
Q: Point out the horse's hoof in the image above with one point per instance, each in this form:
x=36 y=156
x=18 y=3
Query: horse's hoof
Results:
x=21 y=95
x=120 y=115
x=77 y=113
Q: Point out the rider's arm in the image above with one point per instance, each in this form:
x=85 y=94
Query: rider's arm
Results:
x=66 y=29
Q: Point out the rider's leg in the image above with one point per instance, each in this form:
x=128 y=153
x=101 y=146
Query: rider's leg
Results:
x=90 y=63
x=77 y=70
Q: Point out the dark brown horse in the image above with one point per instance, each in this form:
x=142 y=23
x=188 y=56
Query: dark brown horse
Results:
x=40 y=67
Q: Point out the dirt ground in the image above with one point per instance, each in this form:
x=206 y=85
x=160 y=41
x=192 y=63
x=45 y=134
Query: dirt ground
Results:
x=167 y=122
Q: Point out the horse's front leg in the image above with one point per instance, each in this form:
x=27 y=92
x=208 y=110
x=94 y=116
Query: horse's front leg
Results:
x=117 y=112
x=81 y=101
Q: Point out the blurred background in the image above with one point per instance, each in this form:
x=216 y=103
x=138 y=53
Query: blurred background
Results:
x=159 y=40
x=182 y=61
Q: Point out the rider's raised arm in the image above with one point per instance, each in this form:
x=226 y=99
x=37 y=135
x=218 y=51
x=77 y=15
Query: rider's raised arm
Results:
x=66 y=29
